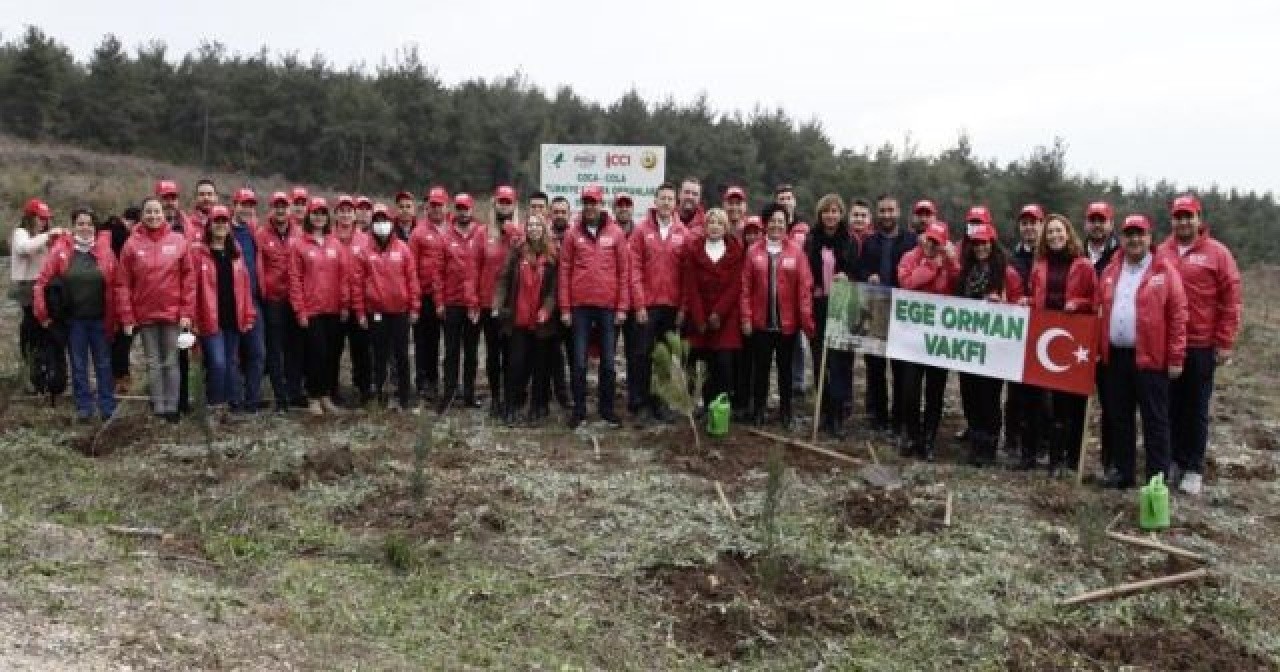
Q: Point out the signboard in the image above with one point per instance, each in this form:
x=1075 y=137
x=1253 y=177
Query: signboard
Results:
x=1045 y=348
x=633 y=169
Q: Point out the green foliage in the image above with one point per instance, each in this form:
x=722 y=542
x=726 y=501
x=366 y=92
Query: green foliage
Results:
x=399 y=552
x=672 y=382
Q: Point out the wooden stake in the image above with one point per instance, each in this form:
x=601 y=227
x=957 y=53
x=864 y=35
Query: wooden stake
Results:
x=797 y=443
x=1135 y=587
x=817 y=400
x=148 y=532
x=1084 y=439
x=595 y=444
x=725 y=501
x=946 y=515
x=1156 y=546
x=871 y=448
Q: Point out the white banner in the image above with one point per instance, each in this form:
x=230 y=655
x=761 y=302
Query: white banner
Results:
x=633 y=169
x=959 y=334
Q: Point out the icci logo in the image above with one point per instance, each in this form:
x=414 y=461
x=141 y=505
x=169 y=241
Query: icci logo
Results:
x=611 y=160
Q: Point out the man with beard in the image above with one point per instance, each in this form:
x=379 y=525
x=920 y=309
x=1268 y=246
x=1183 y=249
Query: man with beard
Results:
x=206 y=198
x=405 y=219
x=426 y=246
x=691 y=213
x=562 y=354
x=1100 y=241
x=632 y=331
x=1023 y=406
x=458 y=304
x=878 y=265
x=923 y=214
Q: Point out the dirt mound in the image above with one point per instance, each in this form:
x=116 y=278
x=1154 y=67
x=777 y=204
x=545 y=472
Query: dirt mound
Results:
x=122 y=431
x=1056 y=498
x=1150 y=646
x=889 y=512
x=730 y=459
x=328 y=464
x=1240 y=467
x=439 y=515
x=725 y=609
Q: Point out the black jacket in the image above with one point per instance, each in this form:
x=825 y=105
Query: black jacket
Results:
x=1108 y=252
x=869 y=259
x=1022 y=259
x=844 y=248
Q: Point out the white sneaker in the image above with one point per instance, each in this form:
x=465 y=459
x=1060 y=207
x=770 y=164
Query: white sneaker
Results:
x=1192 y=483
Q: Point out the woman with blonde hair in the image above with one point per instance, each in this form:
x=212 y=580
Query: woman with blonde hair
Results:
x=831 y=252
x=523 y=303
x=712 y=276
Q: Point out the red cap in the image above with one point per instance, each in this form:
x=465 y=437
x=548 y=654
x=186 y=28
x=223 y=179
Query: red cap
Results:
x=924 y=206
x=43 y=211
x=279 y=197
x=937 y=231
x=364 y=202
x=1032 y=210
x=1136 y=222
x=1185 y=203
x=735 y=192
x=32 y=208
x=317 y=203
x=166 y=188
x=621 y=197
x=1099 y=209
x=245 y=195
x=402 y=194
x=438 y=196
x=380 y=209
x=463 y=200
x=753 y=222
x=505 y=193
x=298 y=194
x=592 y=191
x=346 y=200
x=980 y=232
x=978 y=213
x=219 y=212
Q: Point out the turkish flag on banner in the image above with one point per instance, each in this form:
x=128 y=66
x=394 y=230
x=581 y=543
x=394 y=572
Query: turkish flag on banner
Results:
x=1061 y=351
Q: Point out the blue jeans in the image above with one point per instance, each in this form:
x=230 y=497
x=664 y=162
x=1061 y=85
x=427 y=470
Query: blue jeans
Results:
x=221 y=360
x=88 y=339
x=247 y=386
x=584 y=319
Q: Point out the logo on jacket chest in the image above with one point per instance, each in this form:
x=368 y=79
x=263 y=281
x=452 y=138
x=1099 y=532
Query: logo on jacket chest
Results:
x=331 y=253
x=1157 y=280
x=168 y=250
x=394 y=256
x=1198 y=258
x=789 y=263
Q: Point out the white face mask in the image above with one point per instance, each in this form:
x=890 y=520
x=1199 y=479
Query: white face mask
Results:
x=382 y=229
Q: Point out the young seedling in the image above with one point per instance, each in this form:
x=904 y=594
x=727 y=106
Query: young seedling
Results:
x=673 y=383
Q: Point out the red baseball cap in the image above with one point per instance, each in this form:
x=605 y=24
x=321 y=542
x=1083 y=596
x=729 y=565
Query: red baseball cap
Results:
x=317 y=203
x=166 y=188
x=279 y=197
x=505 y=193
x=980 y=232
x=1099 y=209
x=937 y=232
x=978 y=213
x=33 y=207
x=43 y=211
x=219 y=212
x=924 y=206
x=245 y=195
x=753 y=222
x=622 y=197
x=735 y=192
x=1032 y=210
x=1185 y=203
x=298 y=194
x=380 y=209
x=363 y=202
x=438 y=196
x=593 y=192
x=463 y=200
x=402 y=194
x=1136 y=222
x=344 y=199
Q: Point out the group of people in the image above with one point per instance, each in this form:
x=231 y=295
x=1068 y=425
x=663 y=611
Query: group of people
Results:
x=286 y=292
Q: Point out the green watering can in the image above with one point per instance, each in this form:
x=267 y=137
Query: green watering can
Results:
x=1153 y=511
x=718 y=416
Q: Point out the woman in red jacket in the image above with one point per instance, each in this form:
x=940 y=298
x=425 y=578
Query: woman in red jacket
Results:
x=355 y=243
x=712 y=276
x=743 y=362
x=387 y=298
x=224 y=311
x=931 y=267
x=319 y=290
x=499 y=236
x=776 y=290
x=985 y=275
x=524 y=300
x=1061 y=279
x=86 y=267
x=156 y=296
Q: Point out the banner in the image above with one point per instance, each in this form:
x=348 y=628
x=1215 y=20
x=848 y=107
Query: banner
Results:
x=1045 y=348
x=633 y=169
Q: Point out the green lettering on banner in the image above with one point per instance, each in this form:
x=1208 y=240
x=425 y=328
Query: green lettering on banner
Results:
x=915 y=312
x=955 y=349
x=949 y=317
x=982 y=322
x=1015 y=327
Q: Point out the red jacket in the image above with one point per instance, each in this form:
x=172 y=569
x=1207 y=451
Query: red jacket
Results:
x=58 y=261
x=494 y=256
x=1161 y=307
x=934 y=276
x=713 y=288
x=359 y=241
x=206 y=272
x=799 y=234
x=1081 y=280
x=273 y=259
x=154 y=281
x=594 y=271
x=655 y=263
x=531 y=303
x=386 y=280
x=457 y=277
x=795 y=288
x=426 y=246
x=1212 y=284
x=318 y=277
x=697 y=223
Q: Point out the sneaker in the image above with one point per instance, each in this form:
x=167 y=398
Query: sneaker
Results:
x=314 y=408
x=1192 y=483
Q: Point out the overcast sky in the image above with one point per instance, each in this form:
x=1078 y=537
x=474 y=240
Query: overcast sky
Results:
x=1140 y=90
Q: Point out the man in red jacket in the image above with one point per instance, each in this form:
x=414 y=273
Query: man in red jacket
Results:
x=437 y=207
x=923 y=214
x=458 y=303
x=657 y=253
x=633 y=347
x=691 y=213
x=426 y=245
x=592 y=289
x=1212 y=283
x=285 y=340
x=1143 y=332
x=299 y=199
x=206 y=198
x=734 y=204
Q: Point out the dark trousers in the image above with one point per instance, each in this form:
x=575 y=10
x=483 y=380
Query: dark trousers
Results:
x=1104 y=422
x=221 y=367
x=247 y=393
x=1019 y=401
x=1189 y=397
x=286 y=352
x=356 y=340
x=772 y=348
x=932 y=382
x=878 y=391
x=45 y=352
x=184 y=381
x=1065 y=427
x=744 y=363
x=980 y=396
x=530 y=360
x=121 y=346
x=426 y=347
x=461 y=340
x=561 y=359
x=389 y=341
x=837 y=384
x=719 y=379
x=324 y=349
x=88 y=343
x=584 y=320
x=662 y=319
x=1130 y=389
x=635 y=355
x=497 y=365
